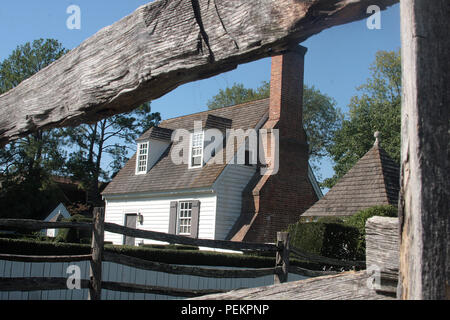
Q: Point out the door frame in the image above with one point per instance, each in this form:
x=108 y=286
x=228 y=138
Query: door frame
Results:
x=125 y=224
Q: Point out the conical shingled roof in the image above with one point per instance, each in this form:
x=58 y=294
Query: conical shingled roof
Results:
x=373 y=180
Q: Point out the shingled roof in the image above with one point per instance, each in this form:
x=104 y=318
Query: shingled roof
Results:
x=167 y=176
x=373 y=180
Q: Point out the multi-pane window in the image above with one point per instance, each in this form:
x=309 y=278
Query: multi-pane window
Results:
x=197 y=149
x=184 y=218
x=142 y=158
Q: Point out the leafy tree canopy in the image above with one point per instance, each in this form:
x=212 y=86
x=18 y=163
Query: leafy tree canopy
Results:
x=376 y=108
x=27 y=163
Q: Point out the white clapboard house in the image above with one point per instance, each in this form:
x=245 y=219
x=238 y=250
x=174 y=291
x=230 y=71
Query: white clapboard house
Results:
x=204 y=199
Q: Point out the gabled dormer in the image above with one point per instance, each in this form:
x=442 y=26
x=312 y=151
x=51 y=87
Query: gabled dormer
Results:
x=150 y=147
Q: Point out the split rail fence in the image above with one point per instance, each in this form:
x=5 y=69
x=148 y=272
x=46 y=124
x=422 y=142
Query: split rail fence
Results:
x=95 y=284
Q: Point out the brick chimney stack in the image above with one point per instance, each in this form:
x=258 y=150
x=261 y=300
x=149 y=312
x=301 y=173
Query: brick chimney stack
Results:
x=272 y=202
x=286 y=92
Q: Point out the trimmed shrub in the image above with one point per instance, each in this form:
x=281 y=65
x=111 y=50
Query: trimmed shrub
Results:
x=338 y=237
x=330 y=220
x=333 y=240
x=35 y=236
x=359 y=221
x=36 y=248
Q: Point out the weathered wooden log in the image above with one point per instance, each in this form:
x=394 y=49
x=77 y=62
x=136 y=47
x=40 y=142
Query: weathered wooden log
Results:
x=170 y=238
x=310 y=257
x=345 y=286
x=310 y=273
x=425 y=175
x=185 y=270
x=98 y=236
x=159 y=47
x=38 y=225
x=37 y=284
x=140 y=288
x=22 y=258
x=382 y=252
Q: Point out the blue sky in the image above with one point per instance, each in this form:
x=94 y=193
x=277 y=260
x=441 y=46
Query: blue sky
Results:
x=337 y=61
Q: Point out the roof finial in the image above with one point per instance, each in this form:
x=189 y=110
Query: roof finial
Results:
x=377 y=136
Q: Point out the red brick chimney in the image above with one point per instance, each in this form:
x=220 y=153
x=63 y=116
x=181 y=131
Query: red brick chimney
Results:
x=286 y=92
x=272 y=202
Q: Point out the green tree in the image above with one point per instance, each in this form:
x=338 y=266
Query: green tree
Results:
x=376 y=108
x=238 y=94
x=27 y=163
x=113 y=137
x=321 y=118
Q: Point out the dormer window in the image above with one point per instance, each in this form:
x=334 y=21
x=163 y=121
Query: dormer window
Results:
x=142 y=158
x=197 y=141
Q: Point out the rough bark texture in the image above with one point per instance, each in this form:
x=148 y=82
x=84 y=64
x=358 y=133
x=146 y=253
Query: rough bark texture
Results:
x=346 y=286
x=382 y=252
x=425 y=180
x=159 y=47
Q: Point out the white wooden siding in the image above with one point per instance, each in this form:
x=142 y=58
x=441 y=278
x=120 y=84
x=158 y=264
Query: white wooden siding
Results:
x=119 y=273
x=229 y=187
x=156 y=214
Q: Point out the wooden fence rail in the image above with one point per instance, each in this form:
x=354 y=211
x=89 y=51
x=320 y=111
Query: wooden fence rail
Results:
x=36 y=284
x=185 y=270
x=139 y=288
x=175 y=239
x=324 y=260
x=95 y=284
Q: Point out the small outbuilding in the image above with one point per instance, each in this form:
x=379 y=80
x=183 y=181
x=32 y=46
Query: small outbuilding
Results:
x=373 y=180
x=59 y=213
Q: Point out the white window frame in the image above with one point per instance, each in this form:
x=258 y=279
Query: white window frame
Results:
x=191 y=147
x=138 y=158
x=184 y=208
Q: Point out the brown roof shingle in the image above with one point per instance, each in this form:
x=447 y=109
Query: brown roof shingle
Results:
x=167 y=176
x=373 y=180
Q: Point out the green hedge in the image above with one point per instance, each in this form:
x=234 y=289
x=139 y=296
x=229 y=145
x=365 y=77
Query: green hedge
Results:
x=173 y=256
x=337 y=237
x=359 y=220
x=35 y=236
x=331 y=240
x=41 y=248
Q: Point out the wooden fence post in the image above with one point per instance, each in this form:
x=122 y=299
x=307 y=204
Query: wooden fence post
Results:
x=98 y=235
x=282 y=258
x=425 y=179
